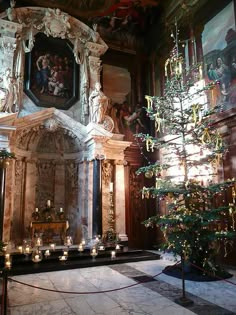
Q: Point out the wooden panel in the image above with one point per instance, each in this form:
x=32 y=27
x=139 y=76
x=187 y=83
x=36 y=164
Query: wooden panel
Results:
x=137 y=209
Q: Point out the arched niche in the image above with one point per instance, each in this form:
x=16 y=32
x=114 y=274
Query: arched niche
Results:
x=50 y=152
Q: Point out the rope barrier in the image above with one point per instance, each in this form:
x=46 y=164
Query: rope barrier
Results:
x=116 y=289
x=91 y=292
x=212 y=275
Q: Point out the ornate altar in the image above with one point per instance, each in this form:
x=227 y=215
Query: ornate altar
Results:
x=50 y=224
x=52 y=232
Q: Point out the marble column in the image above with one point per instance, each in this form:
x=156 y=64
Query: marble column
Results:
x=30 y=192
x=119 y=201
x=17 y=225
x=2 y=198
x=97 y=198
x=82 y=200
x=89 y=197
x=5 y=132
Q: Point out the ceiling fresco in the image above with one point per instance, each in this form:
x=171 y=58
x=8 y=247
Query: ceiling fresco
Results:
x=121 y=22
x=91 y=8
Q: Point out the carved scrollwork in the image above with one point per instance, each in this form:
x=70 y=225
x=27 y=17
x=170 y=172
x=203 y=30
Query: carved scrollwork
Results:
x=51 y=125
x=95 y=64
x=72 y=172
x=135 y=185
x=108 y=123
x=55 y=23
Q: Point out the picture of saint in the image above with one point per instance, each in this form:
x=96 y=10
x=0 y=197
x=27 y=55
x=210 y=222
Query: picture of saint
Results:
x=51 y=72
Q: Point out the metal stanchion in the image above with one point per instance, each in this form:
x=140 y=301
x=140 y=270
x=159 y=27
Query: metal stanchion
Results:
x=4 y=291
x=183 y=300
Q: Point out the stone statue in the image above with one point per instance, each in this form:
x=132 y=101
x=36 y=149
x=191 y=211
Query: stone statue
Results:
x=11 y=12
x=98 y=103
x=12 y=91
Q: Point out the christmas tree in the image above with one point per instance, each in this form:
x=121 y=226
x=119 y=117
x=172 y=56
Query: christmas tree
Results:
x=196 y=217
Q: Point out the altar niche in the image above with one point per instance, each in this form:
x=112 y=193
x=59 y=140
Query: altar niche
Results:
x=51 y=73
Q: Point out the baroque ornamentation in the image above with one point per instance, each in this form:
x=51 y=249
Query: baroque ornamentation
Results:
x=108 y=123
x=107 y=169
x=72 y=171
x=11 y=95
x=135 y=185
x=51 y=125
x=55 y=23
x=8 y=45
x=95 y=64
x=25 y=137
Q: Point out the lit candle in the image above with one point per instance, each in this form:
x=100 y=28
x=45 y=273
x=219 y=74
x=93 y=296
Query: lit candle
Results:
x=8 y=264
x=65 y=253
x=101 y=247
x=83 y=242
x=93 y=251
x=52 y=246
x=111 y=187
x=20 y=249
x=62 y=258
x=117 y=246
x=113 y=254
x=49 y=203
x=61 y=209
x=36 y=209
x=47 y=253
x=27 y=250
x=36 y=257
x=7 y=256
x=81 y=248
x=38 y=242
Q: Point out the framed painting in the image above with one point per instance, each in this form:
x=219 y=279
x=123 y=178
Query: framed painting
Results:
x=219 y=51
x=51 y=73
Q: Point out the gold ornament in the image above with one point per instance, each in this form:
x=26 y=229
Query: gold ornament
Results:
x=206 y=136
x=233 y=194
x=148 y=174
x=149 y=145
x=232 y=211
x=195 y=113
x=149 y=101
x=158 y=122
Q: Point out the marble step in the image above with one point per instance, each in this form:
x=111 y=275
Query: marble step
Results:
x=22 y=264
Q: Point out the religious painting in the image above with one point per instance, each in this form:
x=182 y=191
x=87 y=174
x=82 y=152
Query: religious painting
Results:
x=219 y=49
x=51 y=73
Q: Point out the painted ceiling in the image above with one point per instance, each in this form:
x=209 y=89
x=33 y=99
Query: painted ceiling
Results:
x=116 y=20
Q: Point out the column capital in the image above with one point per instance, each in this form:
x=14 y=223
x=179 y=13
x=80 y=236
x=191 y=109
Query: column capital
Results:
x=120 y=162
x=5 y=132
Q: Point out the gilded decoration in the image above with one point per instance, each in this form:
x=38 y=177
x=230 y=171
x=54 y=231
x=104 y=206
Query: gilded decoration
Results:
x=107 y=170
x=135 y=185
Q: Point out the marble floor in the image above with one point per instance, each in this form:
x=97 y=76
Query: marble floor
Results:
x=128 y=288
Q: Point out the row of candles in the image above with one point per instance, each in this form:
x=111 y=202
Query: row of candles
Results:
x=37 y=253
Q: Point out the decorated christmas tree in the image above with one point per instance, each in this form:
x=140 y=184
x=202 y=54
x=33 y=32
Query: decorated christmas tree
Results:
x=196 y=211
